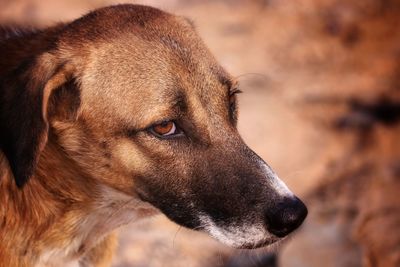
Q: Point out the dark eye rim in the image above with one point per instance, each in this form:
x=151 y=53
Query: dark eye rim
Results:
x=233 y=107
x=179 y=131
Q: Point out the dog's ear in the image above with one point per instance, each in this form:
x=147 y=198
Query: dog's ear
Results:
x=23 y=112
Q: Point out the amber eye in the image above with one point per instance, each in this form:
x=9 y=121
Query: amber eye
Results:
x=165 y=128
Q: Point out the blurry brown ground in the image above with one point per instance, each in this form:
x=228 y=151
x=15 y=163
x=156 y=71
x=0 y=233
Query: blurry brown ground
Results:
x=323 y=110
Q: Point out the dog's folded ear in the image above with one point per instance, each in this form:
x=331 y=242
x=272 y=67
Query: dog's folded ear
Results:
x=23 y=111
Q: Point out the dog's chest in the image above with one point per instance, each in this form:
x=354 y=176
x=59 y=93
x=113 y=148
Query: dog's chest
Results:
x=112 y=210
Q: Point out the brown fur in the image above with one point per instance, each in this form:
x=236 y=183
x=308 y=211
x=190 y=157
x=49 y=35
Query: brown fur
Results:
x=78 y=159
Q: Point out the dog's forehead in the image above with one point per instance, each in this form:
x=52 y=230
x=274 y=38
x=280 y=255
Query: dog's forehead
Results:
x=142 y=72
x=133 y=77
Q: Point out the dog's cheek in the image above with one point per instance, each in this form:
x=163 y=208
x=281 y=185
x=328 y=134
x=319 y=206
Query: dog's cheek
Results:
x=70 y=137
x=80 y=146
x=128 y=156
x=171 y=197
x=114 y=162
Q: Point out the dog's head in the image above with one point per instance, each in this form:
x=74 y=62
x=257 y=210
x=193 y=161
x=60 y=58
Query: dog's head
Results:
x=136 y=100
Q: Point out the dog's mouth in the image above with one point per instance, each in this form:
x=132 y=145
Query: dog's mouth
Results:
x=263 y=243
x=240 y=236
x=241 y=243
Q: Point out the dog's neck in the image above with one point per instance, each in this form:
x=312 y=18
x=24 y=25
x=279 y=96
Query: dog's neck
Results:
x=69 y=215
x=44 y=206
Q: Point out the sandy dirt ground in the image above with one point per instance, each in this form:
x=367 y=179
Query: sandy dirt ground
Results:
x=313 y=75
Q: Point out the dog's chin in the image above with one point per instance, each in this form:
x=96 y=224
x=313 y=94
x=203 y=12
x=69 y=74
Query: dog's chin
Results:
x=239 y=236
x=267 y=242
x=260 y=244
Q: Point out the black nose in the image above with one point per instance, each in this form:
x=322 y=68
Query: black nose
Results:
x=286 y=216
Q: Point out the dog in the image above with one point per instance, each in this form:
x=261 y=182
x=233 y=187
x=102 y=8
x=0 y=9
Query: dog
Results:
x=117 y=116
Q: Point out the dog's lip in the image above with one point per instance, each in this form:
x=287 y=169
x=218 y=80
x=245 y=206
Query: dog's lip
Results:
x=142 y=195
x=263 y=243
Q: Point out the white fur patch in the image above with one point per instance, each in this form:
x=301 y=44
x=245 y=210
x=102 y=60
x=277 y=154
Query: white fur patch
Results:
x=111 y=210
x=236 y=235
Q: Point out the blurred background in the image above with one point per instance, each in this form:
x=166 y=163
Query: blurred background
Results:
x=321 y=104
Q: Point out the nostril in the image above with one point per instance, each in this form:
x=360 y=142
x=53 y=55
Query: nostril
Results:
x=286 y=216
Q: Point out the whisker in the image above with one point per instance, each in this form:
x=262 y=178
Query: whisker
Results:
x=252 y=79
x=176 y=233
x=252 y=74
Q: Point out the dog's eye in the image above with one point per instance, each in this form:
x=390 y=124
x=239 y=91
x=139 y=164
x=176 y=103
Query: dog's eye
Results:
x=165 y=128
